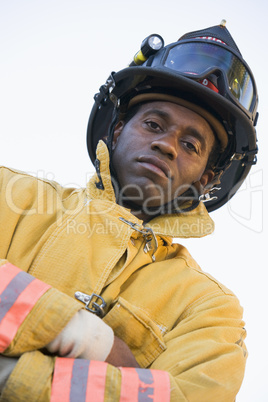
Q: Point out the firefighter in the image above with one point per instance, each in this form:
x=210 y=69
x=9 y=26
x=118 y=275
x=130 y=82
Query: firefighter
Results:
x=97 y=302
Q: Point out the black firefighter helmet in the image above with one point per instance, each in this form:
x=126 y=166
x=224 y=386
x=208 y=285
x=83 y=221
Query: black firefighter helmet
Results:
x=206 y=71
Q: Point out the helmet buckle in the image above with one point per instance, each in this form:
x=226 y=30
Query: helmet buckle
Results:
x=207 y=196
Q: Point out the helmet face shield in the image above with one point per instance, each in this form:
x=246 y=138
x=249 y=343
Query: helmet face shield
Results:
x=198 y=59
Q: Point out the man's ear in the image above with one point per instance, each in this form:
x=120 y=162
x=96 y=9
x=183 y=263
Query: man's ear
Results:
x=117 y=131
x=204 y=180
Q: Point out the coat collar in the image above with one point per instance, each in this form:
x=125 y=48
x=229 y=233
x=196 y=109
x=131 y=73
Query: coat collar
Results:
x=195 y=223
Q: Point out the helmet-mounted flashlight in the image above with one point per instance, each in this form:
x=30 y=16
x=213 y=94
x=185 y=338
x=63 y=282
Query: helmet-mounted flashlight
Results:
x=149 y=46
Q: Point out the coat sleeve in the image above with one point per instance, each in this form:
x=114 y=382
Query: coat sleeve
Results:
x=205 y=352
x=32 y=313
x=40 y=377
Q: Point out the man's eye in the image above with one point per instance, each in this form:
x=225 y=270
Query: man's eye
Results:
x=153 y=125
x=190 y=146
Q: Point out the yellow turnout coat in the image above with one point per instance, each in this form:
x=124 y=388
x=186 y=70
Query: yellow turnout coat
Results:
x=184 y=328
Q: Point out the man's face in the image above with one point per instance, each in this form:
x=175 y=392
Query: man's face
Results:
x=161 y=152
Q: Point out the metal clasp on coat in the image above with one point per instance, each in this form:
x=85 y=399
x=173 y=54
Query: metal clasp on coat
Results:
x=148 y=234
x=94 y=303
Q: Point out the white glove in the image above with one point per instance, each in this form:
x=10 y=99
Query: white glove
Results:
x=86 y=336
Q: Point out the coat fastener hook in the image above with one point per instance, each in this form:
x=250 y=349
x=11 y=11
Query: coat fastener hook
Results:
x=148 y=234
x=94 y=303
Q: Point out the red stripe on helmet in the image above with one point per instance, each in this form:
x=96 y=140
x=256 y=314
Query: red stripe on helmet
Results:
x=209 y=85
x=210 y=38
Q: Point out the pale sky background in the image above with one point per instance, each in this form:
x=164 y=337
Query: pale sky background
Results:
x=55 y=55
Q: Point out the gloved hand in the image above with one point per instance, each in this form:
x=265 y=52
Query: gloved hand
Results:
x=85 y=336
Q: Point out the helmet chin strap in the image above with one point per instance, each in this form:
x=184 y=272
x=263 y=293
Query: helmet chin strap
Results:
x=176 y=206
x=110 y=139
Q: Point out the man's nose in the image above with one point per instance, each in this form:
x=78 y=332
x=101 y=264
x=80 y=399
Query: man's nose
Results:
x=167 y=144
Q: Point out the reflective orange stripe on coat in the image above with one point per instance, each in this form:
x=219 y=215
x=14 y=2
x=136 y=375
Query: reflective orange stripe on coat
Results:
x=144 y=385
x=78 y=380
x=19 y=292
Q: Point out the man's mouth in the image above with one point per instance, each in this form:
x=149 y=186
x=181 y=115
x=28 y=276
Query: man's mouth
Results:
x=155 y=164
